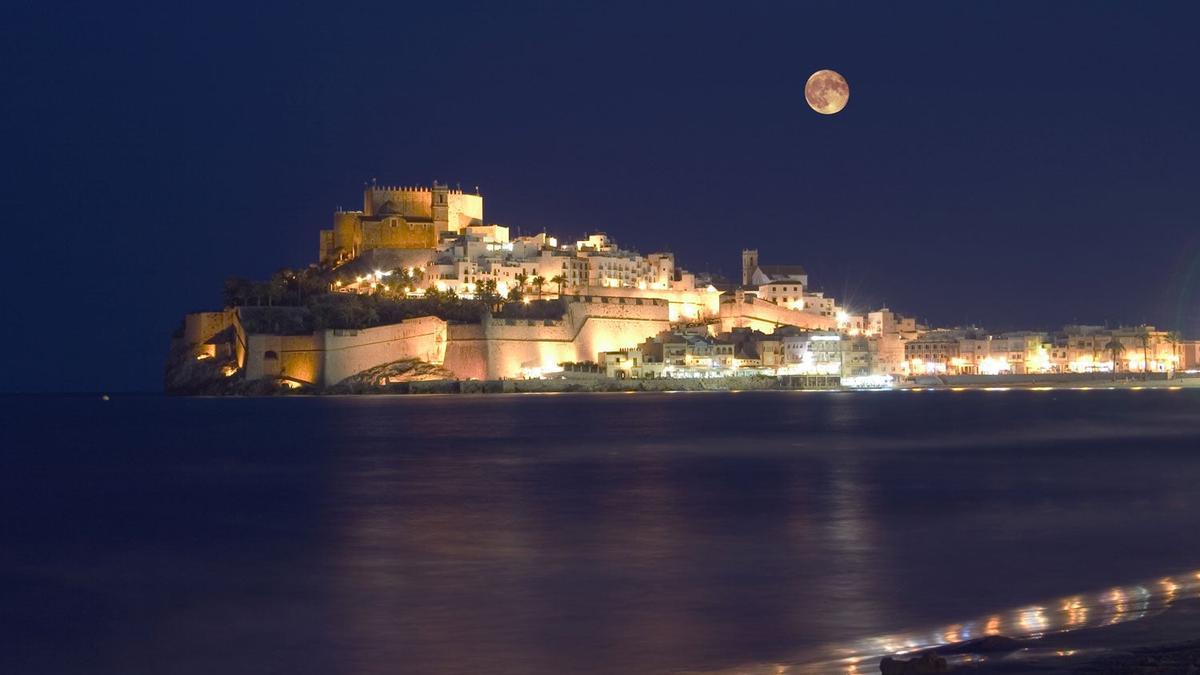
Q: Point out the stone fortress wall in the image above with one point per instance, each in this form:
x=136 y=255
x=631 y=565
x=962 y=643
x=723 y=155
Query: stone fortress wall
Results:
x=397 y=233
x=684 y=304
x=348 y=352
x=292 y=357
x=461 y=209
x=507 y=348
x=413 y=201
x=201 y=327
x=497 y=348
x=747 y=312
x=466 y=351
x=329 y=356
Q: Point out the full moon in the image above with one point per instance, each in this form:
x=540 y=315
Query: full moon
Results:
x=826 y=92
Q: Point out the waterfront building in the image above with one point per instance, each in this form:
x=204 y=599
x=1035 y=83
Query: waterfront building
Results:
x=1126 y=349
x=886 y=322
x=932 y=352
x=812 y=353
x=886 y=354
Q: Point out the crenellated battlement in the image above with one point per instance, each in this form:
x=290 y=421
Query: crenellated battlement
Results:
x=419 y=188
x=400 y=188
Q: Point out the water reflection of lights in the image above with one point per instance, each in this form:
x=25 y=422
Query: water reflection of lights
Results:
x=1089 y=610
x=1033 y=621
x=1118 y=604
x=993 y=626
x=1170 y=588
x=1076 y=611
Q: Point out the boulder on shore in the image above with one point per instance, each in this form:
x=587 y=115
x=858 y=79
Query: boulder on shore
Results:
x=392 y=377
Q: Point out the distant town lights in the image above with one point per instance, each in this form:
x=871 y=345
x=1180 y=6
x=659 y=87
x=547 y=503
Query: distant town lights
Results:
x=993 y=366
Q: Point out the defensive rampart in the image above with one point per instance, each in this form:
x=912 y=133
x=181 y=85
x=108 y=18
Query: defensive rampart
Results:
x=766 y=316
x=507 y=348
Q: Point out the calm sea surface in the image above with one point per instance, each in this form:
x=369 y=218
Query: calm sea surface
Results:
x=579 y=533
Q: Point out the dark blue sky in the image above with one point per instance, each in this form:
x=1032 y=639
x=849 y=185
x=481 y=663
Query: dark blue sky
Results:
x=1008 y=164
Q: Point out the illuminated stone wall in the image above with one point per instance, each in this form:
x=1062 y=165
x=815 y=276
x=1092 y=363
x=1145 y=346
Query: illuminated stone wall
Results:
x=508 y=347
x=200 y=327
x=466 y=351
x=297 y=357
x=412 y=220
x=328 y=357
x=765 y=316
x=684 y=304
x=397 y=232
x=498 y=348
x=412 y=201
x=347 y=234
x=464 y=210
x=347 y=352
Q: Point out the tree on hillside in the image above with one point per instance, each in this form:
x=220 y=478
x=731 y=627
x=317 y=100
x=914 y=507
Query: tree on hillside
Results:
x=315 y=281
x=489 y=295
x=238 y=292
x=401 y=279
x=291 y=284
x=259 y=290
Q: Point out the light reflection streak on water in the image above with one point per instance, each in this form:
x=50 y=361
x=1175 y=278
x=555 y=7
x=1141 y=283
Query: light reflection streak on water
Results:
x=1112 y=606
x=1033 y=621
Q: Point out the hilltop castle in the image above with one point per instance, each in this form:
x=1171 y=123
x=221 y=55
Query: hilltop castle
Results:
x=399 y=218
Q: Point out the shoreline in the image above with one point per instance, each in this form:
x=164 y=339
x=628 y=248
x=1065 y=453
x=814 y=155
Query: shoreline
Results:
x=1157 y=640
x=714 y=385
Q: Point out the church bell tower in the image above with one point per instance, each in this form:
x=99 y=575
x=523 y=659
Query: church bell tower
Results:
x=749 y=265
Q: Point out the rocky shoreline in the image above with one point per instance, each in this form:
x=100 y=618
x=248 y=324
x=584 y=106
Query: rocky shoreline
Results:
x=1163 y=643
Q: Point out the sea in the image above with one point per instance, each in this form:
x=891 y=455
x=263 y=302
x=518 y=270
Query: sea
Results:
x=773 y=532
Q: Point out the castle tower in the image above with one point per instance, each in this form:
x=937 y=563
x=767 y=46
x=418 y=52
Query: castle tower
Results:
x=440 y=207
x=369 y=198
x=749 y=265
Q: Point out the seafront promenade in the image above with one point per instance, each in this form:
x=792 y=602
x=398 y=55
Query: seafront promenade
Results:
x=735 y=384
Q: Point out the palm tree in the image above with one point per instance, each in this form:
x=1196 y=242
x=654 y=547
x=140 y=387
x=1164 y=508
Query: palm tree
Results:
x=538 y=281
x=521 y=278
x=558 y=280
x=1115 y=348
x=401 y=277
x=1145 y=337
x=1174 y=338
x=488 y=294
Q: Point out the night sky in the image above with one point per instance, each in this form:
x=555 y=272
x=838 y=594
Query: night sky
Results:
x=1005 y=164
